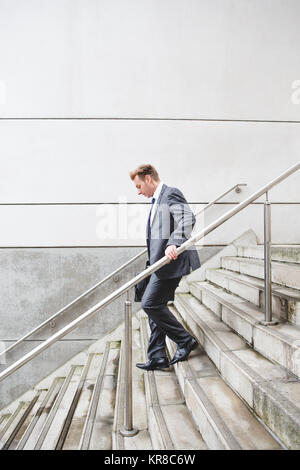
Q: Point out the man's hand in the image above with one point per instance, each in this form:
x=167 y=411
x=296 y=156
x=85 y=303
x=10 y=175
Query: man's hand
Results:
x=171 y=252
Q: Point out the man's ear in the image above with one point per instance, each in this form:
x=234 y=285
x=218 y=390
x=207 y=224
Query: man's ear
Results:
x=148 y=179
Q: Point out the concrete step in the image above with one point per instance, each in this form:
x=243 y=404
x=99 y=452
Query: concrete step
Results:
x=285 y=300
x=30 y=436
x=97 y=431
x=85 y=392
x=11 y=425
x=270 y=391
x=284 y=253
x=142 y=440
x=223 y=419
x=166 y=407
x=280 y=343
x=3 y=420
x=285 y=274
x=53 y=425
x=23 y=424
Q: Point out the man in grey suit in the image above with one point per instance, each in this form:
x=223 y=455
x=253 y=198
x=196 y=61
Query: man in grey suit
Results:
x=170 y=224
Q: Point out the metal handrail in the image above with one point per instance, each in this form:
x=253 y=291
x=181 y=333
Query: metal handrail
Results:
x=151 y=269
x=237 y=189
x=109 y=276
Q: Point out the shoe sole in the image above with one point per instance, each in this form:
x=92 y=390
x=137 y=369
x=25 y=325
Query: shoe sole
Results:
x=154 y=368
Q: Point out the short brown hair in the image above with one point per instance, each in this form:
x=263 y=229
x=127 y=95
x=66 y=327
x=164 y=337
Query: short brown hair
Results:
x=144 y=170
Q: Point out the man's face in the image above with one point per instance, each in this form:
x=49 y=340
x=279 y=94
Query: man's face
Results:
x=146 y=187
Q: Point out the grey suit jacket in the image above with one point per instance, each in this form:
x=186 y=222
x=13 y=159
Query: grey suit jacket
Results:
x=172 y=224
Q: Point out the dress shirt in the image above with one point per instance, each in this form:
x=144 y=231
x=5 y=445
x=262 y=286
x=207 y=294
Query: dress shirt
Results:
x=156 y=196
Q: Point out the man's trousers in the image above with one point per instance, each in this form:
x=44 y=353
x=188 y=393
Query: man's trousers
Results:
x=161 y=320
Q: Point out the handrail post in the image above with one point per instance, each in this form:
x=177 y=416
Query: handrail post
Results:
x=268 y=263
x=128 y=430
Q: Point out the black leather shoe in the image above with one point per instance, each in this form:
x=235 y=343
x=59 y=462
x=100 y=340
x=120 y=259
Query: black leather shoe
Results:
x=155 y=363
x=182 y=353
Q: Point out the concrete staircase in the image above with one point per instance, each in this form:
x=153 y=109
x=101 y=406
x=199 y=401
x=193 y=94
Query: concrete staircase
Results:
x=81 y=406
x=239 y=390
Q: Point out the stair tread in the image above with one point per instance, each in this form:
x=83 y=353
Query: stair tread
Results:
x=101 y=435
x=51 y=432
x=3 y=420
x=25 y=422
x=286 y=331
x=168 y=390
x=12 y=422
x=275 y=245
x=260 y=262
x=286 y=292
x=283 y=253
x=182 y=429
x=241 y=422
x=42 y=414
x=80 y=414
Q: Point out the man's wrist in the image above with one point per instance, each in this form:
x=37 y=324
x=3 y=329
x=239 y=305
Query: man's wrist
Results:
x=177 y=244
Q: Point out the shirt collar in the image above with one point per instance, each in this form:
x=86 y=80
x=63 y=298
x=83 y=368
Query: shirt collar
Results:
x=157 y=191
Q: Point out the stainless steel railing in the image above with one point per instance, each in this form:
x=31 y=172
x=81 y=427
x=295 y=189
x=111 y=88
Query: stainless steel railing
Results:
x=128 y=429
x=51 y=320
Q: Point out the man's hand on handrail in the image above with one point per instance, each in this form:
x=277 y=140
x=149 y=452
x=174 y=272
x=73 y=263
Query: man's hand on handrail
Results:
x=171 y=252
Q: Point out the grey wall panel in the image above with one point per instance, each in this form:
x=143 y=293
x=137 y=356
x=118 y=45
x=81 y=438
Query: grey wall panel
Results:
x=217 y=59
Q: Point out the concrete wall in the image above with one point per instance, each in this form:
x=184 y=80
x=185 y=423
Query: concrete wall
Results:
x=206 y=90
x=90 y=89
x=218 y=59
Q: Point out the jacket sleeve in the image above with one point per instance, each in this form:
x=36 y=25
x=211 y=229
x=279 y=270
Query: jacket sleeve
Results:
x=184 y=219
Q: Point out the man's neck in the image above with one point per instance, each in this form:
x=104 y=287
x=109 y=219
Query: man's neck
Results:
x=155 y=184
